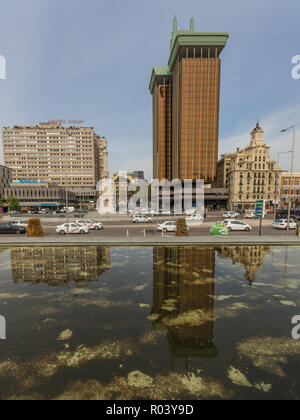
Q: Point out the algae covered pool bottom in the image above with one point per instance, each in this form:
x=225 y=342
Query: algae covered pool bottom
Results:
x=149 y=323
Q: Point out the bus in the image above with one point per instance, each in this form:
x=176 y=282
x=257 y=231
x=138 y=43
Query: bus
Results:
x=283 y=214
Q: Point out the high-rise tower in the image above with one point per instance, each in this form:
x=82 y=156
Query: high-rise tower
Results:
x=186 y=98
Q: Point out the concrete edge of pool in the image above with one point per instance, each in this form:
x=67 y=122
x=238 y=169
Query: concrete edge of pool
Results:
x=141 y=241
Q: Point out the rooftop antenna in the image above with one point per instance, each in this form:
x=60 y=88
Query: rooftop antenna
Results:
x=175 y=24
x=192 y=25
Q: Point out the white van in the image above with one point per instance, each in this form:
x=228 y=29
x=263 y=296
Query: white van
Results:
x=70 y=210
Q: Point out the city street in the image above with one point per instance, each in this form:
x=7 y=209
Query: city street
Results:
x=116 y=227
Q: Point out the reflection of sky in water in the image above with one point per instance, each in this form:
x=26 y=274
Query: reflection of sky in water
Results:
x=182 y=323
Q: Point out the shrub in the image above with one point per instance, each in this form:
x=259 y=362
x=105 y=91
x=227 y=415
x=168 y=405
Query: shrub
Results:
x=34 y=229
x=182 y=229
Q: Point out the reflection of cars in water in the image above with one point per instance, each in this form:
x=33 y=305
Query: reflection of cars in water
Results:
x=237 y=225
x=91 y=224
x=72 y=228
x=9 y=228
x=167 y=226
x=283 y=224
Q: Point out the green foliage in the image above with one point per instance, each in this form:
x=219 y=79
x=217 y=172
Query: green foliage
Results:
x=13 y=203
x=182 y=229
x=34 y=229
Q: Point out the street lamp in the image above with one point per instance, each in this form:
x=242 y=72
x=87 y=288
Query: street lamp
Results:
x=278 y=187
x=292 y=171
x=66 y=185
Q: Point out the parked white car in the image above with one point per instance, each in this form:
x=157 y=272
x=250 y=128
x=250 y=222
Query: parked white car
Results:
x=22 y=222
x=72 y=228
x=230 y=215
x=167 y=226
x=91 y=224
x=237 y=225
x=283 y=224
x=141 y=218
x=250 y=215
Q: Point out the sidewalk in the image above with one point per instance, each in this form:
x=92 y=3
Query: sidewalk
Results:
x=78 y=240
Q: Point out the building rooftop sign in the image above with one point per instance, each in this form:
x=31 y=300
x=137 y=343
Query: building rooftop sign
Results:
x=65 y=122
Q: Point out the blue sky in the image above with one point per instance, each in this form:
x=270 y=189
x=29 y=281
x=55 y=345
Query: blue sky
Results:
x=92 y=60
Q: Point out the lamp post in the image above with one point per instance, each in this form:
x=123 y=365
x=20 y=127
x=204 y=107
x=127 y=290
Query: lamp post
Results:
x=66 y=192
x=292 y=171
x=278 y=187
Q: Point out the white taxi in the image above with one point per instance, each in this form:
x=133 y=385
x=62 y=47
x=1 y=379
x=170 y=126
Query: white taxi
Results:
x=72 y=228
x=91 y=224
x=170 y=226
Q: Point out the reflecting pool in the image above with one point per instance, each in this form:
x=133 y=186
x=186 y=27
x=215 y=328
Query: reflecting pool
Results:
x=149 y=323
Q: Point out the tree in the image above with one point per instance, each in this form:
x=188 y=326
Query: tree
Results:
x=13 y=203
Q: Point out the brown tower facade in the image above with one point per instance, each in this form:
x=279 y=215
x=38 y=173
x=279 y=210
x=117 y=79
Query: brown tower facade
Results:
x=162 y=124
x=194 y=75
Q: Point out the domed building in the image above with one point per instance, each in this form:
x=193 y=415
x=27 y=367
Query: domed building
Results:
x=250 y=174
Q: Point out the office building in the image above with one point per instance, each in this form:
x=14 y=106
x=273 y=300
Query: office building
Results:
x=72 y=157
x=186 y=98
x=5 y=179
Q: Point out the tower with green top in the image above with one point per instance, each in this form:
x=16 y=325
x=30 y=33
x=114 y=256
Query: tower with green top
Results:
x=186 y=98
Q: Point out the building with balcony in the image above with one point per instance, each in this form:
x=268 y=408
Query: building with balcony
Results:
x=250 y=174
x=5 y=179
x=290 y=184
x=71 y=157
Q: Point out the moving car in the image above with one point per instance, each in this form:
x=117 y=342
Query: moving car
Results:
x=250 y=215
x=141 y=218
x=237 y=225
x=71 y=228
x=190 y=212
x=91 y=224
x=283 y=224
x=70 y=210
x=8 y=228
x=195 y=219
x=231 y=215
x=22 y=222
x=167 y=226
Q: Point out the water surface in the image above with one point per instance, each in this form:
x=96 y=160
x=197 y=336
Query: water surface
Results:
x=144 y=323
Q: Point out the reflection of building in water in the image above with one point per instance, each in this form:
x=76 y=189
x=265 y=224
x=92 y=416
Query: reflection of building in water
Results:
x=58 y=266
x=183 y=299
x=251 y=257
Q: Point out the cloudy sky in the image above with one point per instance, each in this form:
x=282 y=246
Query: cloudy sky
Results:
x=92 y=60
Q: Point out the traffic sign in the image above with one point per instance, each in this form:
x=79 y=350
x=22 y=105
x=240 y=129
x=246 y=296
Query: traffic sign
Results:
x=260 y=209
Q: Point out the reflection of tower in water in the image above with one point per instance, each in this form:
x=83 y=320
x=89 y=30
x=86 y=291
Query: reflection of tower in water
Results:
x=251 y=257
x=183 y=299
x=58 y=266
